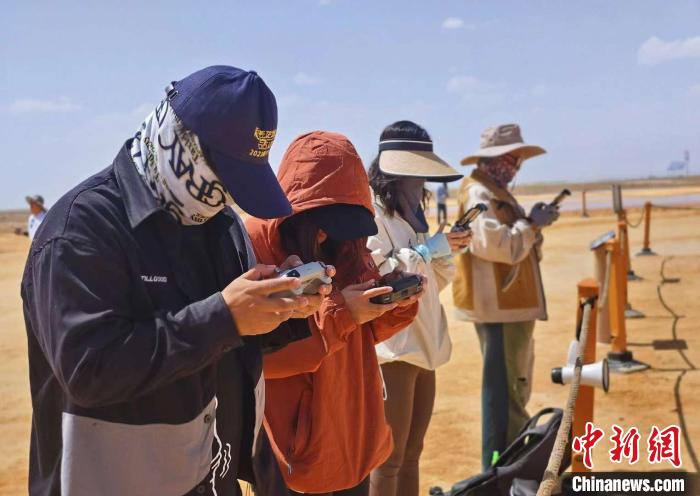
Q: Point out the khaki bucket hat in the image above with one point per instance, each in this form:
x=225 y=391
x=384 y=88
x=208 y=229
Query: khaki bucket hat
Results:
x=500 y=140
x=414 y=158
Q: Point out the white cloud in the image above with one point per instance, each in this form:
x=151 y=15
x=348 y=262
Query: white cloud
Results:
x=303 y=79
x=324 y=3
x=471 y=89
x=654 y=50
x=694 y=90
x=453 y=23
x=35 y=105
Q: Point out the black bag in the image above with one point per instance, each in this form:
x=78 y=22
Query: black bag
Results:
x=525 y=459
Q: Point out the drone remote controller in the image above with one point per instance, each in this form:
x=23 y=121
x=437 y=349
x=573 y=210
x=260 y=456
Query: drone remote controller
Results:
x=312 y=275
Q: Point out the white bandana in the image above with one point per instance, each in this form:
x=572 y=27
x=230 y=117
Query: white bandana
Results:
x=169 y=157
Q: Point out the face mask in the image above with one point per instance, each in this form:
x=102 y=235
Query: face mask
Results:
x=170 y=160
x=502 y=169
x=410 y=198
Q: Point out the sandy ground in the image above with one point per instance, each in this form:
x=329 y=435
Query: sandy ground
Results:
x=453 y=442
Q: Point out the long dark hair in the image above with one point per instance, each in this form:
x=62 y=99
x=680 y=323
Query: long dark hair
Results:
x=386 y=186
x=300 y=237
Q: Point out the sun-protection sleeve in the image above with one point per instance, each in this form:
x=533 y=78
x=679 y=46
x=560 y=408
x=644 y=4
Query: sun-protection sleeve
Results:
x=79 y=302
x=444 y=271
x=388 y=257
x=330 y=329
x=538 y=245
x=393 y=321
x=494 y=241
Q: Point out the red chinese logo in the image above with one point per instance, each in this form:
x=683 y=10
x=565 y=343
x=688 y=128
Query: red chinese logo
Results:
x=587 y=442
x=665 y=445
x=626 y=445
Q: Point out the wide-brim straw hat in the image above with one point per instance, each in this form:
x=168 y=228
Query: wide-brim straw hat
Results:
x=501 y=140
x=413 y=158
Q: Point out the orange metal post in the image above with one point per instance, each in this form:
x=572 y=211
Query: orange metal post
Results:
x=619 y=358
x=623 y=234
x=646 y=250
x=624 y=241
x=617 y=296
x=583 y=410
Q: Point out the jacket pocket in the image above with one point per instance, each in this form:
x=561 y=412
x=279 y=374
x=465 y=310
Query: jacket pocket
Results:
x=303 y=428
x=523 y=291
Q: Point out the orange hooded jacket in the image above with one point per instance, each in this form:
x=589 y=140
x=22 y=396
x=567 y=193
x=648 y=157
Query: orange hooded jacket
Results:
x=324 y=409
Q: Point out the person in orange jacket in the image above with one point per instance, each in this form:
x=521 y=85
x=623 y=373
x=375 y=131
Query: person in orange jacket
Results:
x=324 y=394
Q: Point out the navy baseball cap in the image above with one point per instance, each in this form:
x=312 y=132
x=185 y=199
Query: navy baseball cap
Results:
x=234 y=114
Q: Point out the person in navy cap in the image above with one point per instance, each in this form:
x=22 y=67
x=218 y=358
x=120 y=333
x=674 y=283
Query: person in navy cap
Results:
x=146 y=313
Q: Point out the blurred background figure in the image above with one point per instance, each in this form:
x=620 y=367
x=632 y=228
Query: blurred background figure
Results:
x=442 y=194
x=37 y=214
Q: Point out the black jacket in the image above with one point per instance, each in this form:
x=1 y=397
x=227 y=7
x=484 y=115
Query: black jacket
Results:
x=140 y=382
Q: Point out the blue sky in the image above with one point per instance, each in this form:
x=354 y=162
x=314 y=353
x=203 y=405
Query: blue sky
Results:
x=610 y=89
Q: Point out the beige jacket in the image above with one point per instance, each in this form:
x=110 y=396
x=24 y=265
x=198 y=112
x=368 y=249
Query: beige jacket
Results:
x=498 y=279
x=426 y=342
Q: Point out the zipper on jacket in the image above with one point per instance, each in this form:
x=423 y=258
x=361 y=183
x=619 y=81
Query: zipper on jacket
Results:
x=288 y=463
x=385 y=395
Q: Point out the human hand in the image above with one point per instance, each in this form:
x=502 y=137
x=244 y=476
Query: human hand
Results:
x=357 y=298
x=543 y=214
x=459 y=239
x=314 y=299
x=253 y=309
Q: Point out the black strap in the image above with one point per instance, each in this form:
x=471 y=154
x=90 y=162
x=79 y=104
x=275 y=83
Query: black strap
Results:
x=416 y=146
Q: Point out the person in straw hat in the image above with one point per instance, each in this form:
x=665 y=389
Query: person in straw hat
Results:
x=498 y=285
x=409 y=358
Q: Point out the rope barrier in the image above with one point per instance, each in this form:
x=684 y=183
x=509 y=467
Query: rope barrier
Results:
x=669 y=207
x=551 y=474
x=691 y=368
x=636 y=224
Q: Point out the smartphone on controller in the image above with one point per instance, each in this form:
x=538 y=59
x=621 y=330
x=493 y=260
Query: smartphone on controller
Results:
x=462 y=224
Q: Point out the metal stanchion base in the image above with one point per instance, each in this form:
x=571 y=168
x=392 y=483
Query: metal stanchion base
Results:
x=624 y=363
x=646 y=252
x=631 y=313
x=631 y=276
x=634 y=314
